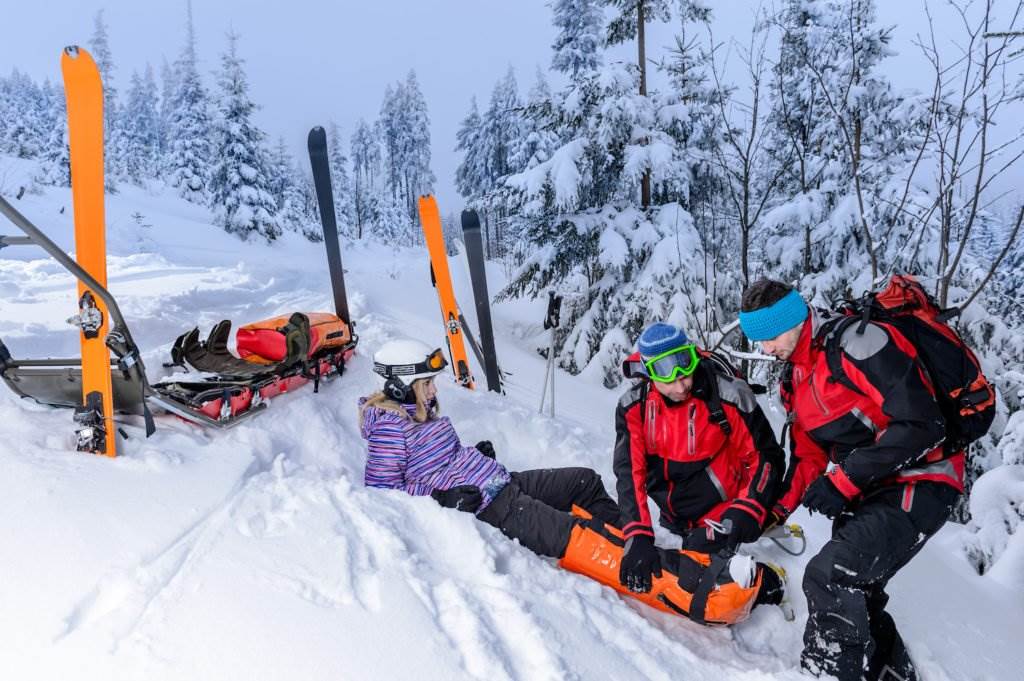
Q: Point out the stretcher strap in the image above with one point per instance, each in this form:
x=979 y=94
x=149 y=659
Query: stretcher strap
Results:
x=707 y=584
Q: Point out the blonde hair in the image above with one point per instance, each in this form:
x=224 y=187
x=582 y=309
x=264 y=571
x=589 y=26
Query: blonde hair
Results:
x=423 y=413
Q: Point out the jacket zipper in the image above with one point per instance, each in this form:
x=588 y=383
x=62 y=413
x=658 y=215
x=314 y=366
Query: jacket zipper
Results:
x=814 y=394
x=651 y=433
x=691 y=444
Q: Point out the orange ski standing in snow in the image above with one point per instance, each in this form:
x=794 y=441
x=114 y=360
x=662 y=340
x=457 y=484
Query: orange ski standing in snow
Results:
x=430 y=218
x=84 y=91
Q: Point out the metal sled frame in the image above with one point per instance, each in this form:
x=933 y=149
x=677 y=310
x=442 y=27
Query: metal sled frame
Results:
x=58 y=382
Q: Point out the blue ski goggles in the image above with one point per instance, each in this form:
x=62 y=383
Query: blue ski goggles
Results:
x=671 y=364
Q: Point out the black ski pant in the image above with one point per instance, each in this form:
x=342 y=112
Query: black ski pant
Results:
x=534 y=507
x=849 y=634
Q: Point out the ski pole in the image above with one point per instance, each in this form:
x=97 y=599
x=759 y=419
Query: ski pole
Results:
x=544 y=390
x=551 y=321
x=551 y=362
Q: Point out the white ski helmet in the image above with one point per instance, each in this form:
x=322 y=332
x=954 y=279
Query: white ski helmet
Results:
x=401 y=362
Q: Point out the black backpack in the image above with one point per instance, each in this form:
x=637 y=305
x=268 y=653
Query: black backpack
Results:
x=966 y=398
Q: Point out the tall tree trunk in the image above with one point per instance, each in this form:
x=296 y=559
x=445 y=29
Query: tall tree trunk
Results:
x=645 y=182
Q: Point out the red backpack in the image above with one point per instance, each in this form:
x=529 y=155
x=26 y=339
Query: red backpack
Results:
x=965 y=396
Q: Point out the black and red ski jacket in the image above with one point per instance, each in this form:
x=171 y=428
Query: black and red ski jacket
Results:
x=890 y=432
x=680 y=456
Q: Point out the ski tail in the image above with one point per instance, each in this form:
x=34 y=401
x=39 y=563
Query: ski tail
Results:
x=430 y=219
x=478 y=277
x=317 y=144
x=84 y=91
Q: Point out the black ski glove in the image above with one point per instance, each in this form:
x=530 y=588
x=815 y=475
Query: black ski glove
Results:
x=640 y=561
x=745 y=527
x=823 y=497
x=462 y=498
x=486 y=448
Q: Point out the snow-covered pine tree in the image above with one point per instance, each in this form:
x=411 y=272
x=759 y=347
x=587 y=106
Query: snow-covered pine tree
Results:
x=390 y=126
x=501 y=127
x=188 y=134
x=25 y=119
x=579 y=25
x=279 y=165
x=288 y=185
x=168 y=88
x=536 y=137
x=471 y=173
x=6 y=104
x=341 y=184
x=489 y=143
x=49 y=94
x=113 y=144
x=536 y=140
x=366 y=177
x=140 y=129
x=393 y=224
x=55 y=166
x=544 y=128
x=298 y=205
x=794 y=142
x=418 y=177
x=404 y=126
x=239 y=182
x=630 y=24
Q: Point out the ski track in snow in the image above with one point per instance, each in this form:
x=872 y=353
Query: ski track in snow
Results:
x=123 y=600
x=268 y=529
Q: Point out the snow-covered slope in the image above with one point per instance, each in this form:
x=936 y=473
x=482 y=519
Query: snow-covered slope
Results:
x=257 y=554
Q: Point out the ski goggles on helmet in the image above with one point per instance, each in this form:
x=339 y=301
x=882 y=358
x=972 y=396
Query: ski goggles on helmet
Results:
x=671 y=364
x=434 y=363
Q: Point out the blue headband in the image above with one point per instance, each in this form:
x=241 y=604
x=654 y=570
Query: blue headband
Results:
x=769 y=322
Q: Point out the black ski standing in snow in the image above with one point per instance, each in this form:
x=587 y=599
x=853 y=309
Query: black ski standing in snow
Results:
x=478 y=276
x=317 y=143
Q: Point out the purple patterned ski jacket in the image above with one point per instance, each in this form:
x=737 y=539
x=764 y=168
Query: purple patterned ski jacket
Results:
x=422 y=457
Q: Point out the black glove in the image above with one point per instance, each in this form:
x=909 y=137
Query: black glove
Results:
x=486 y=448
x=744 y=527
x=640 y=561
x=462 y=498
x=823 y=497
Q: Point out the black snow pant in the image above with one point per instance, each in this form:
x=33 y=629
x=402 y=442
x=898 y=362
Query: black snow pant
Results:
x=535 y=507
x=849 y=634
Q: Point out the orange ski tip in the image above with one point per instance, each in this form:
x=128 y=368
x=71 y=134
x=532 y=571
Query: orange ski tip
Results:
x=72 y=51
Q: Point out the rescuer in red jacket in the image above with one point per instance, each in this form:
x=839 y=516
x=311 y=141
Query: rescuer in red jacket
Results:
x=691 y=437
x=891 y=485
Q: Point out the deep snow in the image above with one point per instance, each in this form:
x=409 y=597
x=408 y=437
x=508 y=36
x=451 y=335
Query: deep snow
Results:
x=256 y=553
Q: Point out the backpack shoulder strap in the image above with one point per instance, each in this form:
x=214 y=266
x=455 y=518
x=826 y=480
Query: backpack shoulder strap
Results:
x=829 y=339
x=715 y=409
x=645 y=389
